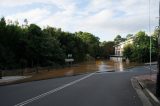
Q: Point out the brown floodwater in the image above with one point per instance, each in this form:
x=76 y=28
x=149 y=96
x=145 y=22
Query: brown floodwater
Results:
x=85 y=67
x=76 y=69
x=98 y=65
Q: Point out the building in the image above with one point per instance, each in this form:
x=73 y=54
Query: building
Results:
x=120 y=48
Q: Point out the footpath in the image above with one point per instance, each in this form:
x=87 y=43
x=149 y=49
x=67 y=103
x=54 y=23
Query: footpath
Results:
x=145 y=85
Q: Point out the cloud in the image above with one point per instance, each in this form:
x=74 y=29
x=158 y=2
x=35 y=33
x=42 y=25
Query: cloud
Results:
x=13 y=3
x=104 y=18
x=34 y=16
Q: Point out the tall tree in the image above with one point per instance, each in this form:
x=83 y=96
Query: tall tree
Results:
x=92 y=43
x=107 y=49
x=118 y=39
x=129 y=36
x=128 y=51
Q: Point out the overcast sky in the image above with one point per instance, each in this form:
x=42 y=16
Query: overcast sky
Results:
x=103 y=18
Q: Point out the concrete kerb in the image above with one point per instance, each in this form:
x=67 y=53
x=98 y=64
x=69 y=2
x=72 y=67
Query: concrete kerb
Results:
x=11 y=79
x=151 y=97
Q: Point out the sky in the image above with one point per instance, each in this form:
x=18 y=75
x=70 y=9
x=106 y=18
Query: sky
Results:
x=103 y=18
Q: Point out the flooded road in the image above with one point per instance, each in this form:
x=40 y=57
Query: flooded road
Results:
x=98 y=65
x=81 y=68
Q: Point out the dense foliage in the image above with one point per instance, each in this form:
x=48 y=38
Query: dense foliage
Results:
x=107 y=49
x=31 y=46
x=118 y=39
x=139 y=51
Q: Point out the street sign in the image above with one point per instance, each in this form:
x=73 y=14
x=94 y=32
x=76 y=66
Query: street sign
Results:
x=69 y=60
x=69 y=55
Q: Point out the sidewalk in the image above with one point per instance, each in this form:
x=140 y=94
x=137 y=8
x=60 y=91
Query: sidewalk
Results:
x=148 y=87
x=152 y=63
x=9 y=79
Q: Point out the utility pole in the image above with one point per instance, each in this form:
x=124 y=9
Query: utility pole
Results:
x=0 y=74
x=158 y=64
x=150 y=51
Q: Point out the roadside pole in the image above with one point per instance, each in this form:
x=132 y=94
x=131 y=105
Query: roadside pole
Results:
x=158 y=65
x=150 y=51
x=0 y=74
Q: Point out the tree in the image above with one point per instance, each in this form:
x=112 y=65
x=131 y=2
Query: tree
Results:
x=92 y=43
x=34 y=37
x=141 y=47
x=26 y=22
x=128 y=51
x=107 y=49
x=139 y=51
x=33 y=47
x=154 y=40
x=118 y=39
x=53 y=53
x=2 y=23
x=2 y=40
x=129 y=36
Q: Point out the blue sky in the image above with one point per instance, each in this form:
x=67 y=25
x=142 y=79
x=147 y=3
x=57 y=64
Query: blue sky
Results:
x=103 y=18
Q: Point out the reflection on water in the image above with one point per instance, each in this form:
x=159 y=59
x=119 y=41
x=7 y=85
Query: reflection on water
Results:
x=118 y=66
x=103 y=66
x=110 y=66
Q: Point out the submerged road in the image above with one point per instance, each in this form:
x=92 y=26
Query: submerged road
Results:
x=94 y=89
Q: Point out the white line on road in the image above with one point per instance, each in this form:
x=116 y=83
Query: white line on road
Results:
x=52 y=91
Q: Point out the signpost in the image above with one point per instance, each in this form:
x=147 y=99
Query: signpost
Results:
x=69 y=59
x=69 y=55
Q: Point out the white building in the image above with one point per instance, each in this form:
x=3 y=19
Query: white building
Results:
x=120 y=48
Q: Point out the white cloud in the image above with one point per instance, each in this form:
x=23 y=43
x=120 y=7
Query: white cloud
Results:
x=104 y=18
x=33 y=16
x=14 y=3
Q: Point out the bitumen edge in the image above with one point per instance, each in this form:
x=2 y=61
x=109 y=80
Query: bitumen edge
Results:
x=151 y=97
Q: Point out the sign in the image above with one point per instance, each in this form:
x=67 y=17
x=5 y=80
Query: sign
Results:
x=69 y=60
x=69 y=55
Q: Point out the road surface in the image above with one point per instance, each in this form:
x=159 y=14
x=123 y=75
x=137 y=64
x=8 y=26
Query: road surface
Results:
x=94 y=89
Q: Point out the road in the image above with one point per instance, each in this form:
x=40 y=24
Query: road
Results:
x=94 y=89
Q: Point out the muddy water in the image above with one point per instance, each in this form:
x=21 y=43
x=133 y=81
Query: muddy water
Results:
x=86 y=67
x=98 y=65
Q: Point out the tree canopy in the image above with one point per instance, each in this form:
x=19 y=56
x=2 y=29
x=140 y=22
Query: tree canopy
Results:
x=139 y=51
x=31 y=46
x=118 y=39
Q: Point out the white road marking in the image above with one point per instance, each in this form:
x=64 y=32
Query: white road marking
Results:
x=149 y=68
x=52 y=91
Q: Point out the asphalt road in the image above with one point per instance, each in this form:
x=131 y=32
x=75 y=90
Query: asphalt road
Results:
x=94 y=89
